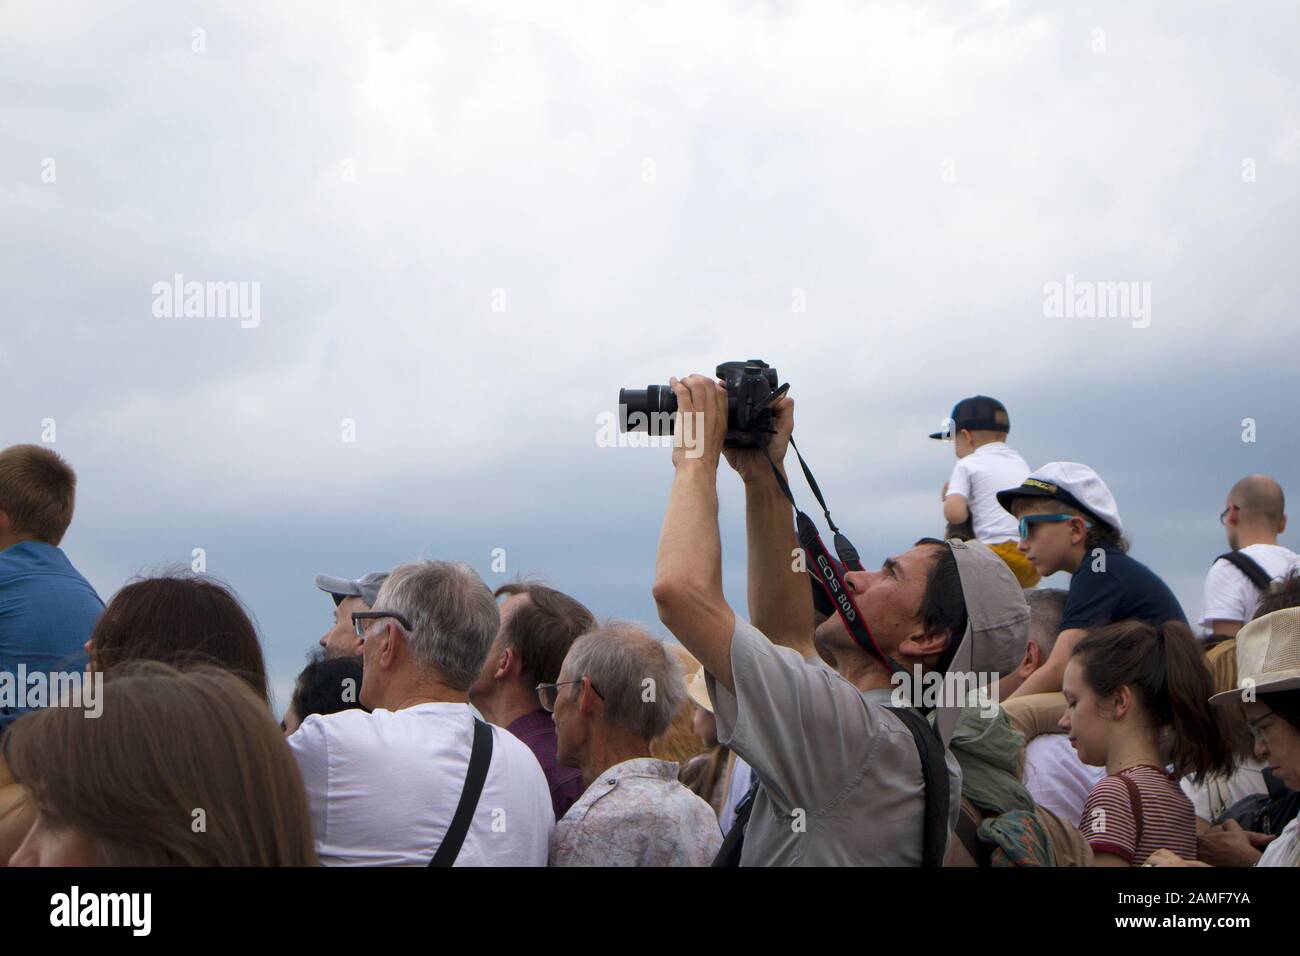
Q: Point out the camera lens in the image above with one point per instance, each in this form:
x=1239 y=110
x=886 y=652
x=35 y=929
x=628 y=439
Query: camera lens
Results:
x=647 y=409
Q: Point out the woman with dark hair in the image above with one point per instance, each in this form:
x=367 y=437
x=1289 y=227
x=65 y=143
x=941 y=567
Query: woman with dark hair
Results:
x=179 y=619
x=182 y=768
x=1136 y=703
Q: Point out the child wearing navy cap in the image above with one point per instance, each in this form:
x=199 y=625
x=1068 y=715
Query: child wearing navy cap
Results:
x=985 y=465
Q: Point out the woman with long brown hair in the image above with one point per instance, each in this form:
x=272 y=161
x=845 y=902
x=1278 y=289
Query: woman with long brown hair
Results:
x=180 y=769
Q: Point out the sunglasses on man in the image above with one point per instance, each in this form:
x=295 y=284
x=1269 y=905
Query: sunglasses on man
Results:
x=1028 y=521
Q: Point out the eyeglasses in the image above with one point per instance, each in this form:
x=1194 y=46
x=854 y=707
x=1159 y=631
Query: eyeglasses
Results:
x=1223 y=518
x=1028 y=521
x=359 y=619
x=547 y=693
x=1258 y=729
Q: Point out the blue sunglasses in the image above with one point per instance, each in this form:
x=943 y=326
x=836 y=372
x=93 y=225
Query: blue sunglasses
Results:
x=1028 y=521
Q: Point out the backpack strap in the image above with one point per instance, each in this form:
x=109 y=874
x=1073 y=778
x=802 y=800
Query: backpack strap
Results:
x=734 y=842
x=934 y=771
x=1135 y=798
x=480 y=756
x=1249 y=567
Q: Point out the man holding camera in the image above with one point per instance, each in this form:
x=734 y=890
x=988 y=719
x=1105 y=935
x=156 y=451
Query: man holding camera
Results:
x=840 y=775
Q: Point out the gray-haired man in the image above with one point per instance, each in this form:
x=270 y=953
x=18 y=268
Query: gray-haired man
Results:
x=618 y=690
x=384 y=786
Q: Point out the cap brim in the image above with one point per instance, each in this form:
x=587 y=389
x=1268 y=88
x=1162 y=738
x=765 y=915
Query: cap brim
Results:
x=939 y=436
x=1011 y=494
x=339 y=587
x=1259 y=687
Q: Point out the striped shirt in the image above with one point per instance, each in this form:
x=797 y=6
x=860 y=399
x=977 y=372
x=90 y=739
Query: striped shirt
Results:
x=1110 y=821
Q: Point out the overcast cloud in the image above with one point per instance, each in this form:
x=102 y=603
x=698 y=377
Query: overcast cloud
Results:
x=471 y=223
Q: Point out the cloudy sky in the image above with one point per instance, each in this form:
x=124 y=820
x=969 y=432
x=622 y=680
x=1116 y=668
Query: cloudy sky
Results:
x=468 y=224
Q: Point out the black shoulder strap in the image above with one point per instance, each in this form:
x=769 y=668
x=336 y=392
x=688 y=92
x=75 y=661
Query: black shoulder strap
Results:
x=1249 y=567
x=479 y=759
x=934 y=771
x=734 y=842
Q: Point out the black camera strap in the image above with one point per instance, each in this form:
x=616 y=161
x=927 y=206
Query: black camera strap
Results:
x=823 y=567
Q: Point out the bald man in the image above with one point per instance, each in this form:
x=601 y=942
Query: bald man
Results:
x=1253 y=517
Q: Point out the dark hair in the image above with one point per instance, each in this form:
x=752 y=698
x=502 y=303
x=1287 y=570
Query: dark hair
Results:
x=943 y=605
x=37 y=492
x=1165 y=666
x=320 y=688
x=543 y=628
x=1282 y=595
x=168 y=742
x=1284 y=703
x=180 y=619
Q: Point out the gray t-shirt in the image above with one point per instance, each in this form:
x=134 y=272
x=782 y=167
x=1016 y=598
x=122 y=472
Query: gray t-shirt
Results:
x=840 y=775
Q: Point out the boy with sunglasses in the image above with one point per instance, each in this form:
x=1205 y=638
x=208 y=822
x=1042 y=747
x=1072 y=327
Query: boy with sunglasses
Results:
x=1069 y=522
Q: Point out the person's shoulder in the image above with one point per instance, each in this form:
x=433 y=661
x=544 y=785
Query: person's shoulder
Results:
x=1110 y=789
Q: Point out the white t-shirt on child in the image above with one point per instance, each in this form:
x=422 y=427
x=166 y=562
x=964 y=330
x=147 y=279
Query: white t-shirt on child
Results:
x=1229 y=595
x=978 y=478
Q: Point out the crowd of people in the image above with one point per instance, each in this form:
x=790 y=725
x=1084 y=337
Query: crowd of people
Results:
x=441 y=723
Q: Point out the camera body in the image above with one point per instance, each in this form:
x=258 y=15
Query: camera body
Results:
x=751 y=388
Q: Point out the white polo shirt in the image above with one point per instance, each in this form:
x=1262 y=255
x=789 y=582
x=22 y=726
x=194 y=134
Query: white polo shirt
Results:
x=383 y=787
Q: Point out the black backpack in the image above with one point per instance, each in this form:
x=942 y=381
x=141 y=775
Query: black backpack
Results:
x=1254 y=574
x=1266 y=812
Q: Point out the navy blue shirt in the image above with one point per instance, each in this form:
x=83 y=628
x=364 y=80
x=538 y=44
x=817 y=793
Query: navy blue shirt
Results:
x=47 y=611
x=1126 y=589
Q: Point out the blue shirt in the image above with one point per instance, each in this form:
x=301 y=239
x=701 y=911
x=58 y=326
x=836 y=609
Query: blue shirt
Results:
x=47 y=611
x=1126 y=589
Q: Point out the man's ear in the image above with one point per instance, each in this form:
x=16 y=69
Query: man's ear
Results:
x=1033 y=658
x=924 y=646
x=388 y=645
x=589 y=700
x=507 y=662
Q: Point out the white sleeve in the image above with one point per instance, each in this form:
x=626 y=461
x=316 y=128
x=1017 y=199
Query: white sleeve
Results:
x=310 y=747
x=959 y=483
x=1225 y=594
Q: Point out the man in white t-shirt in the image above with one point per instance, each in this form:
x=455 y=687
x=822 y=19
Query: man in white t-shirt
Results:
x=383 y=786
x=1254 y=515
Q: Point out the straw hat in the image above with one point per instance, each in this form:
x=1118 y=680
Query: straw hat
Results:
x=1268 y=656
x=697 y=691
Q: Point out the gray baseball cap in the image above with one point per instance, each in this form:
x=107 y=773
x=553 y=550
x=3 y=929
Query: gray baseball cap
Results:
x=366 y=588
x=997 y=620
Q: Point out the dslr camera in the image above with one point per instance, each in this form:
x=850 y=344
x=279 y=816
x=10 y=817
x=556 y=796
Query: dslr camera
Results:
x=751 y=391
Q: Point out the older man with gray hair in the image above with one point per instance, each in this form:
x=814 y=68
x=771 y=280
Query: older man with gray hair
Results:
x=420 y=779
x=618 y=690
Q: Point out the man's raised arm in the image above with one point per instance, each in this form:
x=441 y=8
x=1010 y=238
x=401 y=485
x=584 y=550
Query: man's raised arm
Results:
x=688 y=570
x=780 y=599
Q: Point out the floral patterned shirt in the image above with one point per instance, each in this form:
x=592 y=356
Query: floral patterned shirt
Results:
x=636 y=813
